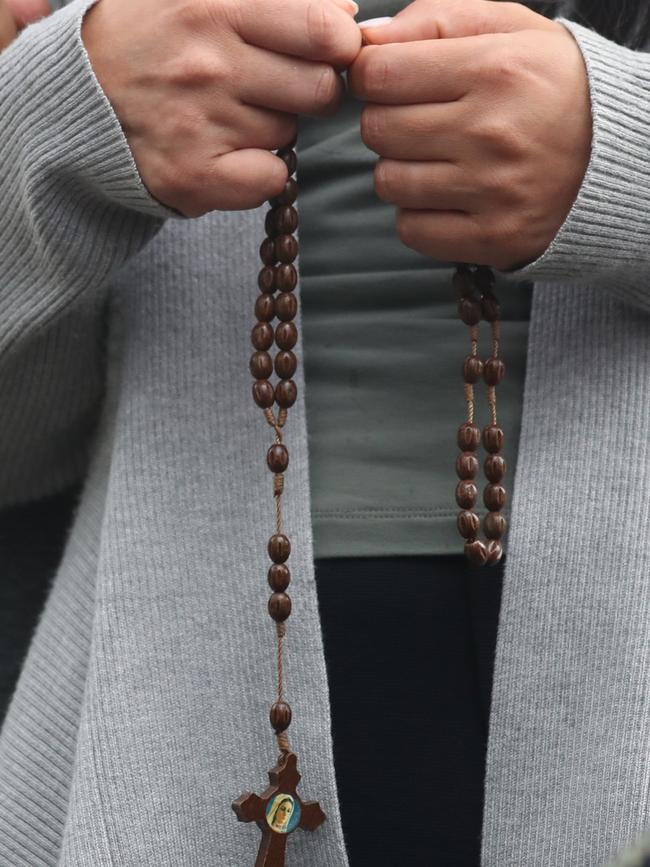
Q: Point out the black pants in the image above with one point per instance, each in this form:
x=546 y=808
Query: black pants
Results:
x=409 y=643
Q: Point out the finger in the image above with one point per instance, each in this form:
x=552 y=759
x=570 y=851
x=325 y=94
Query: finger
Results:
x=453 y=19
x=448 y=236
x=27 y=11
x=289 y=84
x=435 y=186
x=7 y=26
x=429 y=131
x=312 y=29
x=251 y=126
x=434 y=70
x=238 y=180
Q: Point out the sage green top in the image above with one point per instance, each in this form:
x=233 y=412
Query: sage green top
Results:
x=383 y=349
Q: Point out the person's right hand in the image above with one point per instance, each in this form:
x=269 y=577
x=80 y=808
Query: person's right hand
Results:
x=205 y=89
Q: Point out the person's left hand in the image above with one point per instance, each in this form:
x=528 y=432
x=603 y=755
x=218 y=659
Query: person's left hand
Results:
x=480 y=112
x=16 y=14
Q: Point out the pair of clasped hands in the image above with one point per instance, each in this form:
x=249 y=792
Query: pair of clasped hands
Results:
x=479 y=110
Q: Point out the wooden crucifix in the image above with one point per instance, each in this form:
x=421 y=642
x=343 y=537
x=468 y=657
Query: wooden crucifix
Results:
x=278 y=811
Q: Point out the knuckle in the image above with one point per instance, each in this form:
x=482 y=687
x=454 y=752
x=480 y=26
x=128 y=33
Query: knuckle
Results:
x=499 y=134
x=383 y=180
x=326 y=89
x=195 y=69
x=321 y=29
x=374 y=73
x=371 y=126
x=405 y=228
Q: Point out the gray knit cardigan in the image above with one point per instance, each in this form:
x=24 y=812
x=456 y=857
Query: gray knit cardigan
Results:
x=141 y=710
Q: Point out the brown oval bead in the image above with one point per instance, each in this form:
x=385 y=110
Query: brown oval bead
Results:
x=279 y=548
x=463 y=282
x=468 y=436
x=494 y=497
x=286 y=393
x=270 y=225
x=263 y=393
x=261 y=365
x=286 y=335
x=469 y=311
x=494 y=468
x=265 y=307
x=472 y=368
x=468 y=524
x=493 y=370
x=286 y=277
x=493 y=438
x=267 y=252
x=494 y=525
x=286 y=306
x=494 y=551
x=490 y=308
x=279 y=577
x=484 y=278
x=262 y=336
x=286 y=248
x=466 y=493
x=288 y=195
x=476 y=552
x=285 y=364
x=266 y=279
x=277 y=458
x=280 y=716
x=279 y=607
x=289 y=158
x=466 y=465
x=286 y=219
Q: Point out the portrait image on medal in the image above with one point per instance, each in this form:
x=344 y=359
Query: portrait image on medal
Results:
x=283 y=813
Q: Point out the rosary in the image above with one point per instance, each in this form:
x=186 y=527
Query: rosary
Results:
x=279 y=810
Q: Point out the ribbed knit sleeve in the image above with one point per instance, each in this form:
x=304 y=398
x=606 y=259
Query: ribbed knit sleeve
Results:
x=74 y=209
x=605 y=239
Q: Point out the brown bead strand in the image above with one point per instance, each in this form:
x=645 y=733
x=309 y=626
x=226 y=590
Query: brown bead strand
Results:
x=476 y=301
x=277 y=280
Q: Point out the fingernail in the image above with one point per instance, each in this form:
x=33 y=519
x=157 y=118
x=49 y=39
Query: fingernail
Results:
x=352 y=6
x=374 y=22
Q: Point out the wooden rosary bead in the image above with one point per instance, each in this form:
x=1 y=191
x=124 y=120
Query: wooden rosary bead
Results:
x=280 y=716
x=279 y=548
x=469 y=311
x=263 y=393
x=494 y=551
x=472 y=368
x=266 y=279
x=466 y=493
x=463 y=282
x=265 y=307
x=492 y=438
x=490 y=308
x=286 y=335
x=261 y=365
x=468 y=524
x=277 y=458
x=286 y=393
x=279 y=577
x=267 y=252
x=286 y=364
x=286 y=249
x=494 y=468
x=288 y=195
x=466 y=465
x=484 y=279
x=285 y=219
x=494 y=525
x=279 y=607
x=286 y=277
x=290 y=160
x=468 y=436
x=476 y=552
x=494 y=497
x=493 y=370
x=270 y=225
x=286 y=306
x=262 y=336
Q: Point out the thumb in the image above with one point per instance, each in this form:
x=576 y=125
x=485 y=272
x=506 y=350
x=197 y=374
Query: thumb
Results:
x=450 y=19
x=26 y=11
